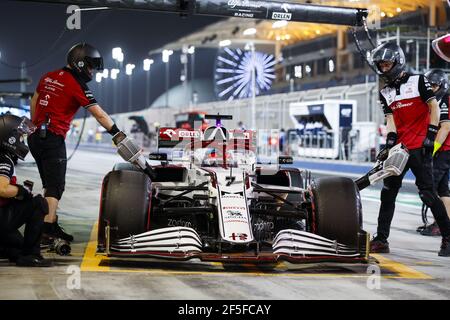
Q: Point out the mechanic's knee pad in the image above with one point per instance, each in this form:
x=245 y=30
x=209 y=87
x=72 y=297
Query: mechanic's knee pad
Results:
x=428 y=197
x=54 y=192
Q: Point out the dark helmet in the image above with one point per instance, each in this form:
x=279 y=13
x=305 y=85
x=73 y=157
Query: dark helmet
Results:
x=389 y=51
x=83 y=56
x=12 y=131
x=439 y=78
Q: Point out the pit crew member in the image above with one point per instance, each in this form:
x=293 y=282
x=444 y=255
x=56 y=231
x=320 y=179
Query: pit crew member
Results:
x=56 y=100
x=412 y=116
x=17 y=205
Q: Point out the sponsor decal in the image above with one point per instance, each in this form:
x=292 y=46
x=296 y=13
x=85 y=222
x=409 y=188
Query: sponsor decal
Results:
x=281 y=16
x=238 y=236
x=51 y=81
x=285 y=7
x=12 y=140
x=264 y=225
x=169 y=132
x=43 y=102
x=400 y=105
x=244 y=15
x=178 y=223
x=244 y=4
x=188 y=134
x=234 y=214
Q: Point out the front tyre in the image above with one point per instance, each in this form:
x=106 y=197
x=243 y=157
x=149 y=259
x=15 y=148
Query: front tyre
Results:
x=337 y=209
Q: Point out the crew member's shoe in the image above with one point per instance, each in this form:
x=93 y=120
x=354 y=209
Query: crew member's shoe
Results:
x=33 y=261
x=445 y=247
x=431 y=230
x=378 y=245
x=54 y=230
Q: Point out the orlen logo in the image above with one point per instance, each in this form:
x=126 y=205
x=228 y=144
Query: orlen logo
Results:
x=188 y=134
x=169 y=133
x=400 y=105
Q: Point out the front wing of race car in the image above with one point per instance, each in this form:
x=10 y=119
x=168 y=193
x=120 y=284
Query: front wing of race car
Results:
x=183 y=243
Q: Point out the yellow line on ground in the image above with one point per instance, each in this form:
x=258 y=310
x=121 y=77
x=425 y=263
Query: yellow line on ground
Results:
x=90 y=261
x=401 y=271
x=94 y=263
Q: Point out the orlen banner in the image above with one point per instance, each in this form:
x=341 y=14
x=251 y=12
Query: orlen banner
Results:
x=270 y=10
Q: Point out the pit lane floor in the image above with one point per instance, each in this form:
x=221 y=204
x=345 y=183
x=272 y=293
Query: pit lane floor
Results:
x=412 y=270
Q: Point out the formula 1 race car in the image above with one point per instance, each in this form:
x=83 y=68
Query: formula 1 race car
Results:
x=207 y=197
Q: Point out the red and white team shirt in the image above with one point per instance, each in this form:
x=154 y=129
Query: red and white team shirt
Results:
x=61 y=94
x=407 y=102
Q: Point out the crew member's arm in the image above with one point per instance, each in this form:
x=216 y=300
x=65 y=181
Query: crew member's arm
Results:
x=8 y=190
x=390 y=124
x=427 y=95
x=391 y=138
x=33 y=105
x=103 y=118
x=434 y=112
x=88 y=102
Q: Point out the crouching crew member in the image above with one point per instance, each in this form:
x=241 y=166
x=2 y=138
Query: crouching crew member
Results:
x=412 y=116
x=17 y=205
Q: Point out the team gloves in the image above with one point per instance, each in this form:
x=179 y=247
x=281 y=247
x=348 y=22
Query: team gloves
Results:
x=23 y=193
x=114 y=130
x=437 y=146
x=428 y=144
x=391 y=140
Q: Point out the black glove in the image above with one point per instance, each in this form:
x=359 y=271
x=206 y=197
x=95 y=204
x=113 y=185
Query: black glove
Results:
x=114 y=130
x=23 y=193
x=391 y=140
x=40 y=204
x=428 y=143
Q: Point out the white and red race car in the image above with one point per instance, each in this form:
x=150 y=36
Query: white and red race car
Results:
x=208 y=198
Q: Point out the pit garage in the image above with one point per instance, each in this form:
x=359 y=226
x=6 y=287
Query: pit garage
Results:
x=247 y=166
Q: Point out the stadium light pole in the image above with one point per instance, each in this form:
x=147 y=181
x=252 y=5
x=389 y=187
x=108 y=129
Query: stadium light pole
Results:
x=147 y=67
x=191 y=51
x=118 y=57
x=114 y=73
x=166 y=58
x=129 y=71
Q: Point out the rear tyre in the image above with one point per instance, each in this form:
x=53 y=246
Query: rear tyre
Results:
x=125 y=204
x=337 y=209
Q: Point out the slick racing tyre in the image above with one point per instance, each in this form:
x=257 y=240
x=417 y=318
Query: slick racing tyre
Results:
x=125 y=204
x=337 y=210
x=125 y=166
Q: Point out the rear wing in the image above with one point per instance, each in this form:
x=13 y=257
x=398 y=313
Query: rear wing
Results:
x=169 y=137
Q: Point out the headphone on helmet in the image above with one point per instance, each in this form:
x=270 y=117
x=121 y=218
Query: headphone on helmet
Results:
x=83 y=58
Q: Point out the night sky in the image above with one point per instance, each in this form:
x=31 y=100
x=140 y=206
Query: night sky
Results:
x=28 y=32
